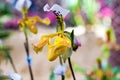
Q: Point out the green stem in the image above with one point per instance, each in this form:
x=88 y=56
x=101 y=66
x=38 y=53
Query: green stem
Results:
x=11 y=61
x=70 y=65
x=26 y=44
x=63 y=77
x=61 y=62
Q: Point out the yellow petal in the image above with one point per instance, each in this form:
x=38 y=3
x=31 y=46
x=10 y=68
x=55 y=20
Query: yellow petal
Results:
x=99 y=73
x=61 y=44
x=36 y=49
x=52 y=35
x=31 y=24
x=21 y=24
x=51 y=55
x=46 y=21
x=33 y=29
x=63 y=40
x=60 y=49
x=43 y=41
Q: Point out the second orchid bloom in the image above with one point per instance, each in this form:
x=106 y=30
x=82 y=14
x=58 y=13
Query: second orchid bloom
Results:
x=31 y=22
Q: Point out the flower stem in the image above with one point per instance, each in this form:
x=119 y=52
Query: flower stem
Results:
x=62 y=76
x=11 y=61
x=26 y=44
x=70 y=65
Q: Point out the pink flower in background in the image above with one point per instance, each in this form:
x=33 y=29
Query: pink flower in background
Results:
x=106 y=12
x=12 y=24
x=105 y=9
x=51 y=16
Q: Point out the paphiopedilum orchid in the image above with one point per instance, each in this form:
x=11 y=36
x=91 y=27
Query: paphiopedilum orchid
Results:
x=61 y=43
x=29 y=22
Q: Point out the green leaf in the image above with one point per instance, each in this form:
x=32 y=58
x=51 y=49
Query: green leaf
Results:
x=52 y=76
x=116 y=71
x=4 y=34
x=5 y=56
x=105 y=51
x=88 y=78
x=72 y=38
x=5 y=48
x=4 y=78
x=5 y=53
x=112 y=34
x=90 y=7
x=79 y=69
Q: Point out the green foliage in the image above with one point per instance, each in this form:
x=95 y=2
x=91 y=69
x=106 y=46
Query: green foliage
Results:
x=2 y=77
x=90 y=7
x=72 y=38
x=4 y=34
x=73 y=5
x=52 y=76
x=79 y=69
x=4 y=8
x=105 y=51
x=5 y=48
x=112 y=34
x=4 y=51
x=116 y=71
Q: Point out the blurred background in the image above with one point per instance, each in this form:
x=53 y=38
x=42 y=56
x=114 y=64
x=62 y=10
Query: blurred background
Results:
x=96 y=26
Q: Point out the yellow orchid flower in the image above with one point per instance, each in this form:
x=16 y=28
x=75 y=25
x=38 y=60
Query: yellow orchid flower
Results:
x=60 y=45
x=61 y=42
x=30 y=23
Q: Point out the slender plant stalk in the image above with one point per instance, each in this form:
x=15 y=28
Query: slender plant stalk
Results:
x=70 y=65
x=63 y=77
x=61 y=62
x=26 y=44
x=11 y=61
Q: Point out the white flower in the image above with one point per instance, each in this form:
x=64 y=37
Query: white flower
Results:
x=60 y=70
x=20 y=3
x=14 y=76
x=56 y=8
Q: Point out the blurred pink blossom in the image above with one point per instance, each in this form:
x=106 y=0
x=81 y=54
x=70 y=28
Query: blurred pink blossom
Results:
x=106 y=12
